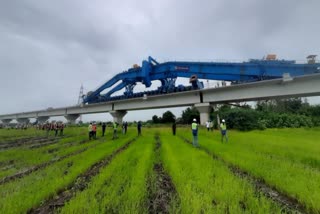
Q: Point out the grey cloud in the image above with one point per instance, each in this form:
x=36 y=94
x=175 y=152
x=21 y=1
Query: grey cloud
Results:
x=48 y=48
x=60 y=24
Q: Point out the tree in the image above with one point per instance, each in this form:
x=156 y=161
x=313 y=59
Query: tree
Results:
x=291 y=105
x=189 y=114
x=155 y=119
x=241 y=118
x=168 y=117
x=224 y=108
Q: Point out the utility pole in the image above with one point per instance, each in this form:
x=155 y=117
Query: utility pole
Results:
x=80 y=99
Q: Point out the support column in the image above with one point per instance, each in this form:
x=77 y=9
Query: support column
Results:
x=6 y=121
x=23 y=120
x=42 y=119
x=118 y=115
x=204 y=109
x=72 y=118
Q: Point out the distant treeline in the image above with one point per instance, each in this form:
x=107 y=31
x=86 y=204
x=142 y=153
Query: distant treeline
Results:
x=282 y=113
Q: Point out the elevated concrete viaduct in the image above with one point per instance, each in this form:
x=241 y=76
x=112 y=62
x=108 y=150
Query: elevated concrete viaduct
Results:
x=302 y=86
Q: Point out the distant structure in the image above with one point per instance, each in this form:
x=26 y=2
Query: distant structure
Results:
x=311 y=59
x=80 y=99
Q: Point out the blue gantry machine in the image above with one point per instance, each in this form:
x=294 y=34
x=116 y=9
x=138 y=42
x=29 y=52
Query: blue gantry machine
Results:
x=167 y=73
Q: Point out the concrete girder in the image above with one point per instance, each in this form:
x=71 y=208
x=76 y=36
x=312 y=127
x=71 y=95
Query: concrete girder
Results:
x=72 y=118
x=187 y=98
x=89 y=109
x=302 y=86
x=118 y=116
x=286 y=87
x=204 y=109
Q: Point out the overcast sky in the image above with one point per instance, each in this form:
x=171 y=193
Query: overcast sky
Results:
x=49 y=48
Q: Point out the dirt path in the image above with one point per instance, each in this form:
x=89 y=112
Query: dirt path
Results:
x=41 y=166
x=38 y=145
x=162 y=191
x=79 y=184
x=18 y=140
x=288 y=204
x=32 y=141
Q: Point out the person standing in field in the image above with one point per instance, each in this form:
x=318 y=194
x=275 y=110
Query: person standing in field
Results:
x=139 y=128
x=94 y=131
x=47 y=127
x=90 y=130
x=52 y=126
x=223 y=129
x=103 y=128
x=211 y=125
x=174 y=127
x=61 y=128
x=56 y=128
x=208 y=125
x=115 y=131
x=194 y=127
x=125 y=127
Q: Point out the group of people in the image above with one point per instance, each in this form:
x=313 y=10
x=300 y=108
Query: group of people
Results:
x=209 y=125
x=92 y=129
x=56 y=127
x=17 y=126
x=22 y=126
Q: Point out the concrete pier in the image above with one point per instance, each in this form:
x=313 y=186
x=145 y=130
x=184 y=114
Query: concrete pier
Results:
x=72 y=118
x=204 y=109
x=118 y=116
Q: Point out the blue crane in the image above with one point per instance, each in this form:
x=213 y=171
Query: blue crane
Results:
x=168 y=72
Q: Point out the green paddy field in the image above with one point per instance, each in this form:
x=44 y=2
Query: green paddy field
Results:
x=271 y=171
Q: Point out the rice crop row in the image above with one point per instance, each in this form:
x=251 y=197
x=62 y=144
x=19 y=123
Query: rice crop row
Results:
x=121 y=187
x=21 y=195
x=205 y=185
x=253 y=153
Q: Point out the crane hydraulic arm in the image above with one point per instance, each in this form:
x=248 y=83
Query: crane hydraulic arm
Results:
x=166 y=73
